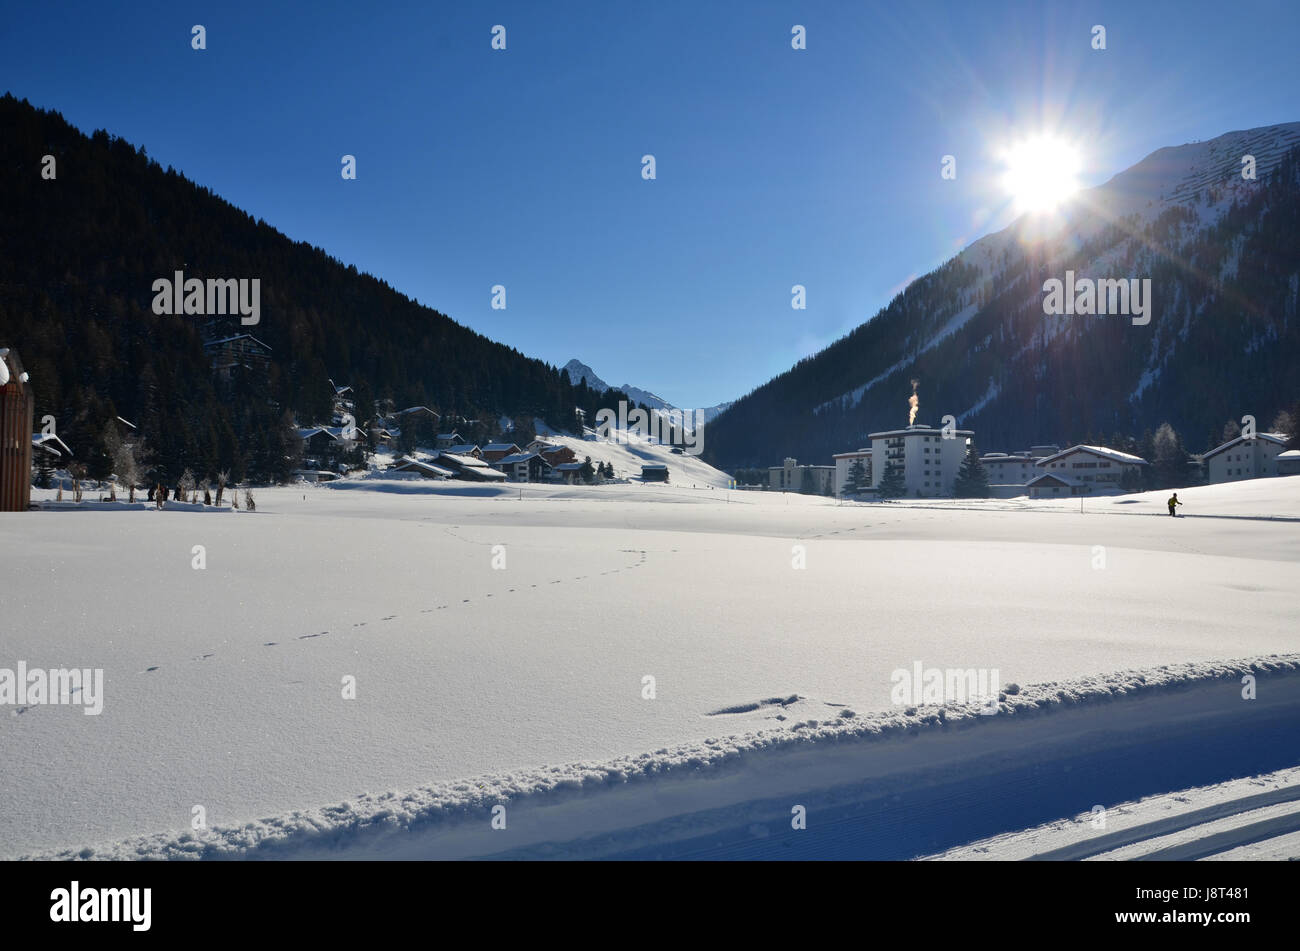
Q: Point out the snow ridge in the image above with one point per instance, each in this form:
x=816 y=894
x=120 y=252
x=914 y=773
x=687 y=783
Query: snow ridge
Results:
x=377 y=825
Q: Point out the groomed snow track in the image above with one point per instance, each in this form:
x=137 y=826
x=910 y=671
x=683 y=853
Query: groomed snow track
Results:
x=897 y=785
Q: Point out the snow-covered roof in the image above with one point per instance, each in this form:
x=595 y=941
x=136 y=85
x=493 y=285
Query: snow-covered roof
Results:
x=857 y=453
x=518 y=457
x=45 y=441
x=1277 y=438
x=573 y=466
x=459 y=460
x=213 y=343
x=919 y=430
x=1114 y=455
x=1289 y=454
x=309 y=431
x=406 y=464
x=126 y=421
x=449 y=436
x=464 y=449
x=1049 y=476
x=499 y=446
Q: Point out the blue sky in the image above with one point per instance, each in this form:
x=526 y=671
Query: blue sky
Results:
x=523 y=167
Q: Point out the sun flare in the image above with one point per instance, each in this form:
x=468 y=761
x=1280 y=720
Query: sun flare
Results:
x=1041 y=173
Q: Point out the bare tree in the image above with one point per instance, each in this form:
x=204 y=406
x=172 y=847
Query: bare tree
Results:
x=78 y=472
x=186 y=485
x=248 y=500
x=222 y=479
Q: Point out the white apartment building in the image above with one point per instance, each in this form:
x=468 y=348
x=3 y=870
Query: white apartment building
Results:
x=1244 y=458
x=844 y=462
x=929 y=461
x=1009 y=468
x=789 y=477
x=1083 y=470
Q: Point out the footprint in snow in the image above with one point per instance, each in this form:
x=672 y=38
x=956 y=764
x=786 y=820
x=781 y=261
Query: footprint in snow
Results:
x=206 y=656
x=148 y=670
x=270 y=644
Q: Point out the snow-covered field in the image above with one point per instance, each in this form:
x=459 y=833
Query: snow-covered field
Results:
x=499 y=642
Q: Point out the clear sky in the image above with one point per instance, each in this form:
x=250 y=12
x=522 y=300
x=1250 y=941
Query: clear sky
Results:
x=523 y=167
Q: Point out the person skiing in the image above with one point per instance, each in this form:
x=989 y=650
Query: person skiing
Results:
x=1173 y=500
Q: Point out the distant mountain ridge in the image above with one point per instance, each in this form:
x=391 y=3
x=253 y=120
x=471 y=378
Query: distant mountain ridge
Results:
x=1223 y=256
x=580 y=372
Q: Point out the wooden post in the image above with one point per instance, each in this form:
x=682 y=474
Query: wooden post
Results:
x=17 y=405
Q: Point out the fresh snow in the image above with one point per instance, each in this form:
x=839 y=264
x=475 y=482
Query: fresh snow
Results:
x=523 y=686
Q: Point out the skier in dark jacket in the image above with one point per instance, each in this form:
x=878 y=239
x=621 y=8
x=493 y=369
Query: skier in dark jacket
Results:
x=1173 y=500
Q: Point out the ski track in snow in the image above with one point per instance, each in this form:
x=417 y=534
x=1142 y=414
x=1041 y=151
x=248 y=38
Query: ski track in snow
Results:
x=450 y=820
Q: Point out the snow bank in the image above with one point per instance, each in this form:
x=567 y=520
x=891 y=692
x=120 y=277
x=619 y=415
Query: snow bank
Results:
x=602 y=804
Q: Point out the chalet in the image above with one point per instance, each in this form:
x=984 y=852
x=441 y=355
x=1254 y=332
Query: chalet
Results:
x=1246 y=457
x=556 y=455
x=465 y=449
x=567 y=472
x=494 y=452
x=1089 y=470
x=419 y=412
x=1288 y=463
x=447 y=440
x=654 y=472
x=468 y=468
x=242 y=351
x=1052 y=485
x=426 y=469
x=524 y=467
x=325 y=444
x=17 y=405
x=317 y=441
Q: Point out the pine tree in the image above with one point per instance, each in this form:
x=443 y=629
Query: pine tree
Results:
x=891 y=484
x=857 y=480
x=972 y=479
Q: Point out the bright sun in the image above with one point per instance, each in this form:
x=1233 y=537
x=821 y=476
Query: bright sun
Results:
x=1041 y=173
